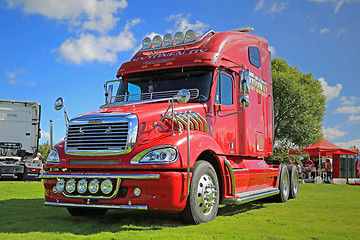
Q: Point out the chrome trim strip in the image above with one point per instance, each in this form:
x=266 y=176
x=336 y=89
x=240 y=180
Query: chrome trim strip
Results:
x=240 y=169
x=232 y=177
x=134 y=207
x=121 y=176
x=179 y=45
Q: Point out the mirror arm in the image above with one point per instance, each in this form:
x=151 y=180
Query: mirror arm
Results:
x=218 y=113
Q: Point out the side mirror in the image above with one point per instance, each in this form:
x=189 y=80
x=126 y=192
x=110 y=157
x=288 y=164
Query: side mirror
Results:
x=108 y=95
x=245 y=100
x=183 y=96
x=59 y=104
x=245 y=82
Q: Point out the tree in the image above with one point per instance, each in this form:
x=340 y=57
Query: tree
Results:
x=299 y=106
x=44 y=149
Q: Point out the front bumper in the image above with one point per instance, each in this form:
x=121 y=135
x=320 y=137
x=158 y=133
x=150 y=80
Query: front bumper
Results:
x=164 y=191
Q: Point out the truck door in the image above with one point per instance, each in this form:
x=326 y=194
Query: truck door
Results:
x=224 y=124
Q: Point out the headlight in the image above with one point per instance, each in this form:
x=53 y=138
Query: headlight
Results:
x=60 y=185
x=106 y=186
x=165 y=154
x=82 y=186
x=53 y=157
x=94 y=186
x=70 y=185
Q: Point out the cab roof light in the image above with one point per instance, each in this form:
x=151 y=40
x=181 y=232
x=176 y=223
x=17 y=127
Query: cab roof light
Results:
x=157 y=41
x=179 y=40
x=179 y=37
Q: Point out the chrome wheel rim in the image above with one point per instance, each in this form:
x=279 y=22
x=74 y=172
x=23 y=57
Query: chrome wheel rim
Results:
x=286 y=185
x=296 y=182
x=206 y=194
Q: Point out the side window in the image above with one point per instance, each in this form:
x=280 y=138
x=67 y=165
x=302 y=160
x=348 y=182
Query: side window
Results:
x=254 y=56
x=224 y=90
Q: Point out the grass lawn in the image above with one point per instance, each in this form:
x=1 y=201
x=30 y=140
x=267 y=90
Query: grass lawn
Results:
x=320 y=212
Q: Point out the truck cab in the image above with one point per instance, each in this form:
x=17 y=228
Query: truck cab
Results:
x=187 y=127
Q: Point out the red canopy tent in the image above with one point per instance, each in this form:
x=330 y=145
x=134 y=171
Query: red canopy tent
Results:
x=326 y=148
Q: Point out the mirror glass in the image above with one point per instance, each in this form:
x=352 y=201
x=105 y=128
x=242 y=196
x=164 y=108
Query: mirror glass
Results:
x=59 y=103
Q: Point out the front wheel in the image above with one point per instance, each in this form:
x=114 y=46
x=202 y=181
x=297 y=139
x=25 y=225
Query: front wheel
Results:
x=203 y=201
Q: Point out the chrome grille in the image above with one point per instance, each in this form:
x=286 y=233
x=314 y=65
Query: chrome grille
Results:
x=101 y=136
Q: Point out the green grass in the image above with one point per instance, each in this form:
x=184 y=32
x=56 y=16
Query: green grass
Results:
x=320 y=212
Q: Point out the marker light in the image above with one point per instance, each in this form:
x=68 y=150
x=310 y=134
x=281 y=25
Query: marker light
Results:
x=82 y=186
x=168 y=40
x=146 y=43
x=157 y=41
x=190 y=36
x=94 y=186
x=106 y=186
x=70 y=186
x=179 y=37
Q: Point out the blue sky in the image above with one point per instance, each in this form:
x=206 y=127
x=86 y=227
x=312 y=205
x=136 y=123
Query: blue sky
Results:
x=70 y=48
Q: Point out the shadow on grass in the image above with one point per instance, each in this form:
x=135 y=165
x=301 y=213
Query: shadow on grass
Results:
x=30 y=215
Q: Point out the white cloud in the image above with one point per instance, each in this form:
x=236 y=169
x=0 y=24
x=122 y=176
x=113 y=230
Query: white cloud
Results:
x=88 y=47
x=349 y=144
x=354 y=118
x=15 y=77
x=45 y=134
x=272 y=50
x=349 y=106
x=324 y=30
x=330 y=92
x=333 y=133
x=336 y=3
x=271 y=6
x=84 y=14
x=259 y=5
x=348 y=109
x=341 y=32
x=182 y=23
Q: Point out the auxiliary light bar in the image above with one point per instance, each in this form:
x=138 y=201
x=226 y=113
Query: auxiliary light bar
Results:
x=168 y=40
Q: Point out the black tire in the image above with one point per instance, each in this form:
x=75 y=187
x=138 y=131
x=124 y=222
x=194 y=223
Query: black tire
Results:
x=203 y=201
x=284 y=185
x=87 y=211
x=294 y=181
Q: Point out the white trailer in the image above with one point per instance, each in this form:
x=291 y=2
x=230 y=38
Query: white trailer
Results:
x=19 y=140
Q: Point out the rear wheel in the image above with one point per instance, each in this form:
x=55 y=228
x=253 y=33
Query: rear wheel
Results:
x=294 y=181
x=203 y=201
x=87 y=211
x=284 y=185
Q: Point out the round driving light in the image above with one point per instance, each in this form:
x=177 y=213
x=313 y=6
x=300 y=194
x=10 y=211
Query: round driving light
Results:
x=157 y=41
x=179 y=37
x=106 y=186
x=70 y=186
x=168 y=40
x=82 y=186
x=190 y=36
x=146 y=43
x=60 y=185
x=55 y=190
x=137 y=192
x=94 y=186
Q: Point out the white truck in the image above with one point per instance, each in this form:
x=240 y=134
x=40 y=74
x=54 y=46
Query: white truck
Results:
x=19 y=140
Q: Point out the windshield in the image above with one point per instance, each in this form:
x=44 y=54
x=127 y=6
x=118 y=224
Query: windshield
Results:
x=165 y=84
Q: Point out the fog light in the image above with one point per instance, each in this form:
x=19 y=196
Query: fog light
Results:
x=137 y=192
x=70 y=186
x=106 y=186
x=94 y=186
x=60 y=185
x=82 y=186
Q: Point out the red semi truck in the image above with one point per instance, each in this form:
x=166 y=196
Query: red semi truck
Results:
x=188 y=128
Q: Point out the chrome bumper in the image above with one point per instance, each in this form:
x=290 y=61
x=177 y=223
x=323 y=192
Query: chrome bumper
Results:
x=132 y=207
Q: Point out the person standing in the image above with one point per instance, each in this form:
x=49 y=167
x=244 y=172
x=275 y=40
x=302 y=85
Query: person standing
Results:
x=357 y=169
x=328 y=170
